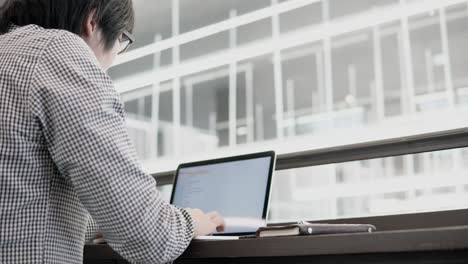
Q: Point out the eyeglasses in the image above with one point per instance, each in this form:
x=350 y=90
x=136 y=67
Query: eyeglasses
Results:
x=125 y=40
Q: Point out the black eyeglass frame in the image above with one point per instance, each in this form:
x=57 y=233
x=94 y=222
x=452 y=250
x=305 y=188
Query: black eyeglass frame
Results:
x=126 y=36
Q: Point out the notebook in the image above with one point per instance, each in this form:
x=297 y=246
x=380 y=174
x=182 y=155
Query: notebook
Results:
x=236 y=187
x=306 y=228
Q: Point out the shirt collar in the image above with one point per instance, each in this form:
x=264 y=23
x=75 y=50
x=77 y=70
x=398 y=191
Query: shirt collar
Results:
x=12 y=28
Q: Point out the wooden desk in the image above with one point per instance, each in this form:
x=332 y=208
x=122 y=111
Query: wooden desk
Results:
x=435 y=245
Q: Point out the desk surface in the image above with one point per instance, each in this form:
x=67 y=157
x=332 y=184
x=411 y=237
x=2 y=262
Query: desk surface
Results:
x=380 y=242
x=419 y=240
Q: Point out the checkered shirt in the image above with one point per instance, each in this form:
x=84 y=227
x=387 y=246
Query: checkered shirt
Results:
x=65 y=154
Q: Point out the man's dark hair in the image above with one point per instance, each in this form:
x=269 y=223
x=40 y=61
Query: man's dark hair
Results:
x=111 y=16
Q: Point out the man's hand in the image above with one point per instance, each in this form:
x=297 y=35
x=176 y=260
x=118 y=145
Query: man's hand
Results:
x=206 y=223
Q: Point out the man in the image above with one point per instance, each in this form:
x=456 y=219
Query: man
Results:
x=64 y=152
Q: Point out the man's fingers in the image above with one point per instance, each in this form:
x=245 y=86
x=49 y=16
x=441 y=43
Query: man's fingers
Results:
x=216 y=218
x=212 y=215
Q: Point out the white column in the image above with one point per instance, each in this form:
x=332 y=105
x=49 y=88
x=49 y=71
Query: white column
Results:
x=429 y=60
x=327 y=54
x=320 y=81
x=409 y=104
x=249 y=93
x=155 y=103
x=259 y=122
x=176 y=81
x=352 y=81
x=406 y=59
x=378 y=72
x=290 y=108
x=402 y=66
x=189 y=103
x=278 y=76
x=447 y=61
x=233 y=87
x=328 y=74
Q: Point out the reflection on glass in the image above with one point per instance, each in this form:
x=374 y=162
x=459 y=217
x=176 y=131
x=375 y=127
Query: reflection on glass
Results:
x=341 y=82
x=258 y=80
x=141 y=128
x=303 y=89
x=407 y=184
x=205 y=110
x=244 y=76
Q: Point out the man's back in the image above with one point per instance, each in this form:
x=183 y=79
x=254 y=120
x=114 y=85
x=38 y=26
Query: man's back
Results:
x=64 y=152
x=42 y=219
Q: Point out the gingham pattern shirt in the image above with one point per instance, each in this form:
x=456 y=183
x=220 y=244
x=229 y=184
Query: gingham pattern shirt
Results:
x=65 y=154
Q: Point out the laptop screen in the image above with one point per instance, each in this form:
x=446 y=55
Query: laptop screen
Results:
x=237 y=188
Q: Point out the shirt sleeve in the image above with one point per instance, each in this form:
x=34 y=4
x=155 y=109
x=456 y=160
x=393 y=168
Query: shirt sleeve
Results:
x=83 y=124
x=91 y=229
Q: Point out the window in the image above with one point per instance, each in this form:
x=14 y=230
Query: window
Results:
x=403 y=184
x=245 y=76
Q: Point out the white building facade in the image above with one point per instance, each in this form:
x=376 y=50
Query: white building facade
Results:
x=214 y=78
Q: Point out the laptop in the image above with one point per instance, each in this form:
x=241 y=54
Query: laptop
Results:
x=236 y=187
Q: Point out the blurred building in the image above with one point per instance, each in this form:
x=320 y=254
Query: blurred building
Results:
x=211 y=78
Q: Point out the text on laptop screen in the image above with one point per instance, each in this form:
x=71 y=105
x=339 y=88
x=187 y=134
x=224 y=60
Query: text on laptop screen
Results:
x=237 y=190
